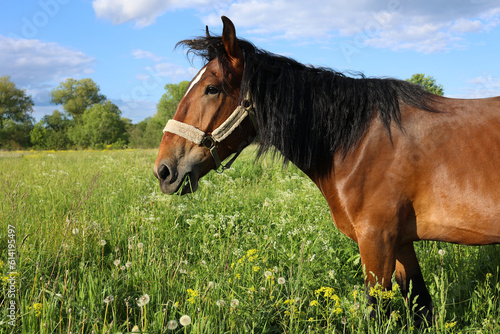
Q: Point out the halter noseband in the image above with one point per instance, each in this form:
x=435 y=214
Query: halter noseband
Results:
x=210 y=141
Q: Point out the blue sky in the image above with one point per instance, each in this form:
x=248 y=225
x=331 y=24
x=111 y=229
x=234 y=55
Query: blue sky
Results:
x=127 y=46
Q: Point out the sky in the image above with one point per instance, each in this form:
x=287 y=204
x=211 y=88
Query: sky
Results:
x=128 y=46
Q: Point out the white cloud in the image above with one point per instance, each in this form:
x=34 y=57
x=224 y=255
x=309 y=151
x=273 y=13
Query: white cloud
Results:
x=425 y=25
x=143 y=12
x=141 y=54
x=31 y=62
x=484 y=86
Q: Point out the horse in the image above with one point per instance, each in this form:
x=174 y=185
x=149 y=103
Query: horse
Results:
x=395 y=163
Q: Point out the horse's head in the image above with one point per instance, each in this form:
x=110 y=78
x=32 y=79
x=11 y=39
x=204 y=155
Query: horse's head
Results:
x=211 y=121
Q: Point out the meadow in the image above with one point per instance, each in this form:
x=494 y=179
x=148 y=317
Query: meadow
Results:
x=89 y=244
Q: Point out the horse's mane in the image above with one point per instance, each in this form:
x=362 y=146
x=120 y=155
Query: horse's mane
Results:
x=310 y=113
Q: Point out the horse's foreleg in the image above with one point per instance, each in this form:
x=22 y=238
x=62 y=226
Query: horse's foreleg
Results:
x=408 y=270
x=377 y=248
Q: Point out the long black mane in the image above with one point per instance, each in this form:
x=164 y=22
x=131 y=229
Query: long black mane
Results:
x=309 y=113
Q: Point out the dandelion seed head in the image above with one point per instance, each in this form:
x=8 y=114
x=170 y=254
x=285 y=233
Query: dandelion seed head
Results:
x=109 y=299
x=185 y=320
x=103 y=242
x=143 y=301
x=220 y=302
x=281 y=280
x=441 y=252
x=117 y=262
x=235 y=302
x=140 y=245
x=172 y=324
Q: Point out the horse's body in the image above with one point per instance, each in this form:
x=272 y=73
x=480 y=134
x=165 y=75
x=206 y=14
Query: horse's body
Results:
x=394 y=163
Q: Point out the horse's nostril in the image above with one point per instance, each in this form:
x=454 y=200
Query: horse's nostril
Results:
x=163 y=172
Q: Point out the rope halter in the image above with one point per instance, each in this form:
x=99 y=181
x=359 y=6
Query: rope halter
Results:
x=210 y=141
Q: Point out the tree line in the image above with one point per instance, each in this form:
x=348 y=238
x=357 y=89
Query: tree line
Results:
x=89 y=120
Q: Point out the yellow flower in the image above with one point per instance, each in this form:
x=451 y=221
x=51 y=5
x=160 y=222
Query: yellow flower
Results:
x=450 y=325
x=313 y=303
x=251 y=252
x=37 y=307
x=256 y=268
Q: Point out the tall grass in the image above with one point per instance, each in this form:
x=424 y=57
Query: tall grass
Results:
x=100 y=250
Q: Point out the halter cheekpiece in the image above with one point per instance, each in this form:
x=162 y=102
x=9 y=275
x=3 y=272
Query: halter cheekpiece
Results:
x=210 y=141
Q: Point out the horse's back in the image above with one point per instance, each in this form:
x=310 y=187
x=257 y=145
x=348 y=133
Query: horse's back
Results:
x=456 y=192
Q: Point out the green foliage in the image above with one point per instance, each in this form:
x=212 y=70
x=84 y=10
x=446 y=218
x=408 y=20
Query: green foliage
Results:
x=51 y=132
x=15 y=115
x=99 y=126
x=148 y=133
x=76 y=96
x=254 y=250
x=428 y=83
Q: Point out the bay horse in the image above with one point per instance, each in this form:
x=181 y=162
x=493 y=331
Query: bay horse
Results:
x=395 y=163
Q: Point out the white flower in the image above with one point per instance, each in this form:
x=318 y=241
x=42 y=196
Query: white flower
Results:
x=267 y=274
x=117 y=262
x=128 y=264
x=235 y=302
x=220 y=302
x=109 y=299
x=203 y=262
x=143 y=300
x=185 y=320
x=103 y=242
x=140 y=245
x=281 y=280
x=172 y=324
x=75 y=230
x=441 y=252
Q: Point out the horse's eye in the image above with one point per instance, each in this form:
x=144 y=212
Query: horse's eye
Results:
x=211 y=90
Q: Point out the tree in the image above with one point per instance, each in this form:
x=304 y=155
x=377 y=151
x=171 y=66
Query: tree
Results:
x=428 y=83
x=15 y=115
x=51 y=132
x=170 y=100
x=100 y=125
x=77 y=95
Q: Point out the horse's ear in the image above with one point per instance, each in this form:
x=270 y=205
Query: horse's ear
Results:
x=231 y=45
x=207 y=32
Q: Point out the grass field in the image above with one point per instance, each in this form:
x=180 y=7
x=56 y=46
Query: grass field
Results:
x=95 y=247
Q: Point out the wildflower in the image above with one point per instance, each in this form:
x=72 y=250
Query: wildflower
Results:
x=441 y=252
x=235 y=302
x=220 y=302
x=203 y=263
x=185 y=320
x=117 y=262
x=281 y=280
x=140 y=245
x=75 y=231
x=136 y=329
x=450 y=325
x=38 y=309
x=268 y=274
x=172 y=324
x=128 y=264
x=143 y=300
x=103 y=242
x=313 y=303
x=192 y=295
x=122 y=268
x=256 y=268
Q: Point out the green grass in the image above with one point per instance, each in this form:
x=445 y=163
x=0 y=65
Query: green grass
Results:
x=254 y=250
